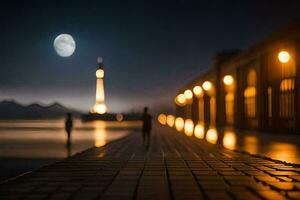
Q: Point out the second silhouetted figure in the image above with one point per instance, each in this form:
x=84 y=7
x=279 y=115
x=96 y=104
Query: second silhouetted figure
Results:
x=146 y=129
x=68 y=128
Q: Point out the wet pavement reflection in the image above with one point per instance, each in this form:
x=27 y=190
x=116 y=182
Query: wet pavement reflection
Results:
x=278 y=146
x=264 y=144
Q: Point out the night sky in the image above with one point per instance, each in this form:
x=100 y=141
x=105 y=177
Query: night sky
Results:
x=150 y=48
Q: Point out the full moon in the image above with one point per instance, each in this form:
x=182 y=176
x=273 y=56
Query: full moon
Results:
x=64 y=45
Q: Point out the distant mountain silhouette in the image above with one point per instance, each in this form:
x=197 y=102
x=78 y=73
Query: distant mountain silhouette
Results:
x=13 y=110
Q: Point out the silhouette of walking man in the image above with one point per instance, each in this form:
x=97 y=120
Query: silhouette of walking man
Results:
x=147 y=125
x=68 y=128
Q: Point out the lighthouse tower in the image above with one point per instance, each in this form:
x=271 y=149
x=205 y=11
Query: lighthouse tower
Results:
x=99 y=107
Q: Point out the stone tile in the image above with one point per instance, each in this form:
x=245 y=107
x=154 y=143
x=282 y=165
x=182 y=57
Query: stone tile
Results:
x=175 y=163
x=271 y=195
x=294 y=194
x=282 y=173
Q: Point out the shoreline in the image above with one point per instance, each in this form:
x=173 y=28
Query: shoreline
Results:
x=11 y=167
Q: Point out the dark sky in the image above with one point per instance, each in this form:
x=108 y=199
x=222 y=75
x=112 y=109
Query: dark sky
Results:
x=150 y=48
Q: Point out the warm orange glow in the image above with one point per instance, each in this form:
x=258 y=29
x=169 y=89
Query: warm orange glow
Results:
x=197 y=91
x=189 y=127
x=100 y=73
x=286 y=98
x=170 y=120
x=212 y=106
x=228 y=80
x=212 y=136
x=199 y=131
x=250 y=92
x=283 y=151
x=100 y=133
x=284 y=56
x=229 y=140
x=180 y=100
x=207 y=85
x=250 y=101
x=188 y=94
x=229 y=107
x=119 y=117
x=179 y=124
x=251 y=144
x=99 y=108
x=162 y=119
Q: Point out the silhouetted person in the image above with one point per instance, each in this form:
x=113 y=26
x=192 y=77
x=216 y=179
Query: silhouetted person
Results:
x=147 y=125
x=68 y=127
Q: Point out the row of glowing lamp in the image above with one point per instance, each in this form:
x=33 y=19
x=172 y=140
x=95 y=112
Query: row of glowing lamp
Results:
x=187 y=95
x=187 y=126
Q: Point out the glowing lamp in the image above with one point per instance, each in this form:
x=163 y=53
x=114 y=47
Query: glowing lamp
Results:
x=212 y=136
x=119 y=117
x=197 y=90
x=188 y=94
x=284 y=56
x=180 y=99
x=162 y=119
x=179 y=124
x=189 y=127
x=207 y=85
x=228 y=80
x=99 y=109
x=199 y=131
x=100 y=73
x=170 y=120
x=229 y=140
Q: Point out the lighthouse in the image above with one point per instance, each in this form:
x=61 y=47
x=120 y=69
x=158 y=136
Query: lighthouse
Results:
x=99 y=107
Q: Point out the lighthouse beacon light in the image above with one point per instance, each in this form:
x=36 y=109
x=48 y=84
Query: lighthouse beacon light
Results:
x=99 y=107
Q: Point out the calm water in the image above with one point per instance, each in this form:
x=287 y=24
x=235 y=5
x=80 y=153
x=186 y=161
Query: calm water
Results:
x=27 y=145
x=46 y=138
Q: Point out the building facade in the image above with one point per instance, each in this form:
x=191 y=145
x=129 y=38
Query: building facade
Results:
x=257 y=88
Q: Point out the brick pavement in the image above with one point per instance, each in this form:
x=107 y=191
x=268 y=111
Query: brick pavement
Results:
x=175 y=167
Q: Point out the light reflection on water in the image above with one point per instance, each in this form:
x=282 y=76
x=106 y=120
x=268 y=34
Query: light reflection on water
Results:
x=100 y=133
x=47 y=138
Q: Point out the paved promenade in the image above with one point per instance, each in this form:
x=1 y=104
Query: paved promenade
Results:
x=175 y=167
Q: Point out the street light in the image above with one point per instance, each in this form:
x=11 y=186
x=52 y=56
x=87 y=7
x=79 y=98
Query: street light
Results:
x=284 y=56
x=179 y=124
x=229 y=140
x=180 y=100
x=228 y=80
x=212 y=136
x=207 y=85
x=188 y=94
x=170 y=120
x=199 y=131
x=162 y=119
x=197 y=90
x=189 y=127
